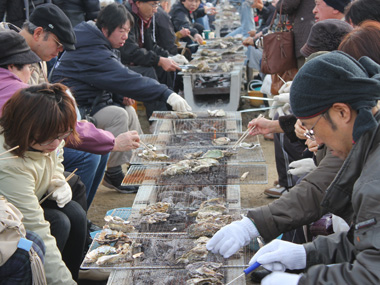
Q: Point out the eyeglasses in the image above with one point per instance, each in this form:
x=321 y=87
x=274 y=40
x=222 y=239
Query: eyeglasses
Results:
x=62 y=137
x=154 y=6
x=59 y=45
x=310 y=133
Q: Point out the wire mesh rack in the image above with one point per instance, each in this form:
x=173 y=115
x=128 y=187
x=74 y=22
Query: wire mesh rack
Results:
x=187 y=196
x=169 y=277
x=184 y=126
x=228 y=174
x=197 y=140
x=167 y=251
x=204 y=115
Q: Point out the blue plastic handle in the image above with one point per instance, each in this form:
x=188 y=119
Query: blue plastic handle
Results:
x=251 y=268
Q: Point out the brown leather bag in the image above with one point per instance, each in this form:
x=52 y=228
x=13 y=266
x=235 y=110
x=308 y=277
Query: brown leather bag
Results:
x=278 y=49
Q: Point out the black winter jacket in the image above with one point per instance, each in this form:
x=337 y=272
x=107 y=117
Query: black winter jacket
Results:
x=182 y=18
x=79 y=10
x=94 y=70
x=149 y=54
x=16 y=10
x=165 y=35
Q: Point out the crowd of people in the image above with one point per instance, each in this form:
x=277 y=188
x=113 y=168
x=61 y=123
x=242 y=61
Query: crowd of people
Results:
x=70 y=74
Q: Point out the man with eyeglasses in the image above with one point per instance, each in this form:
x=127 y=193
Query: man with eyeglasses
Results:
x=141 y=52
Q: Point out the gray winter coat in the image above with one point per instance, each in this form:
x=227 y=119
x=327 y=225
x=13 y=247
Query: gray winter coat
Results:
x=356 y=253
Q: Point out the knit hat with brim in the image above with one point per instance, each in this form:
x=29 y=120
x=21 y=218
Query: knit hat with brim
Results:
x=336 y=77
x=325 y=35
x=15 y=50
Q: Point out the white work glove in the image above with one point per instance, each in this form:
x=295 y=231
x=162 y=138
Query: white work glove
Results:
x=280 y=255
x=285 y=88
x=229 y=239
x=339 y=225
x=284 y=97
x=302 y=167
x=178 y=103
x=276 y=105
x=62 y=192
x=281 y=278
x=180 y=59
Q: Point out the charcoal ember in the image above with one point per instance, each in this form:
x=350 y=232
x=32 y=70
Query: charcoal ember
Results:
x=163 y=252
x=210 y=192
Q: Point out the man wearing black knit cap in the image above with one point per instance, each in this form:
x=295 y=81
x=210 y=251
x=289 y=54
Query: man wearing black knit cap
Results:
x=336 y=97
x=329 y=9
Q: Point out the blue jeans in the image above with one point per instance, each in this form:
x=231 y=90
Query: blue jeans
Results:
x=90 y=166
x=246 y=20
x=69 y=227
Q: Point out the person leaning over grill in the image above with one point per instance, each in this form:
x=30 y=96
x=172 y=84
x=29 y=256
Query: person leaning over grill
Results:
x=95 y=74
x=338 y=107
x=38 y=119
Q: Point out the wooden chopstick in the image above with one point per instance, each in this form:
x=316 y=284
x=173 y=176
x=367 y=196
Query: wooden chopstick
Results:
x=10 y=157
x=281 y=79
x=246 y=133
x=9 y=150
x=67 y=179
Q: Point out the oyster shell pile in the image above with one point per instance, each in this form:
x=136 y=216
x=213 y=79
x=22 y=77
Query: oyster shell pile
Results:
x=190 y=166
x=157 y=207
x=203 y=272
x=155 y=218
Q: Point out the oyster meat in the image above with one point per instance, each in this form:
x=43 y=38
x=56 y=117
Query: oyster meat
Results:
x=248 y=145
x=221 y=141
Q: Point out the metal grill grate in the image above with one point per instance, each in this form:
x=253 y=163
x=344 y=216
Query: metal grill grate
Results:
x=163 y=251
x=197 y=126
x=193 y=140
x=188 y=196
x=176 y=154
x=204 y=115
x=229 y=174
x=166 y=277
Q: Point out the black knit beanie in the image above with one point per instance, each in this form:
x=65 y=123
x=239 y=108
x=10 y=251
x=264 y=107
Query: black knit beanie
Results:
x=338 y=4
x=336 y=77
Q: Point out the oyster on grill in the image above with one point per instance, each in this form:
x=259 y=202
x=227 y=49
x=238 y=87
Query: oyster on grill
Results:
x=184 y=115
x=207 y=229
x=214 y=153
x=180 y=167
x=155 y=218
x=248 y=145
x=151 y=155
x=216 y=113
x=157 y=207
x=203 y=269
x=108 y=236
x=206 y=52
x=100 y=251
x=118 y=224
x=203 y=66
x=193 y=155
x=226 y=66
x=221 y=141
x=197 y=253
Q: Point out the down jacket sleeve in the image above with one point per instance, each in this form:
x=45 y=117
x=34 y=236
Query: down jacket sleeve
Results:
x=301 y=205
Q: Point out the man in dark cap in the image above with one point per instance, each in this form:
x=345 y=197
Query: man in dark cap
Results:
x=338 y=107
x=329 y=9
x=48 y=32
